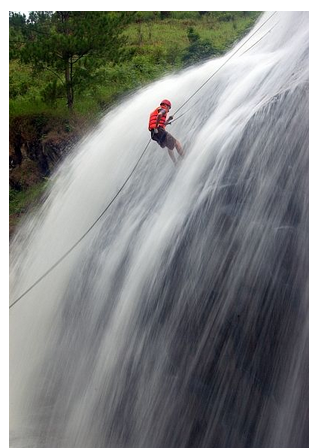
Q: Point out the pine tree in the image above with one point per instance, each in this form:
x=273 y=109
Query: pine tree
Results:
x=70 y=44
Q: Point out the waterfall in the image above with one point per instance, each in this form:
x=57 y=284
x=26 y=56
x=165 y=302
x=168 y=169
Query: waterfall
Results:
x=181 y=319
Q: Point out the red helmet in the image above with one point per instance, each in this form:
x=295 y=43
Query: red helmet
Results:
x=166 y=102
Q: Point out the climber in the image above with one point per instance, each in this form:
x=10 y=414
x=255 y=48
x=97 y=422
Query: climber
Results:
x=157 y=123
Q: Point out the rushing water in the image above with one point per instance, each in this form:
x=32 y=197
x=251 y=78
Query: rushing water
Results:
x=180 y=320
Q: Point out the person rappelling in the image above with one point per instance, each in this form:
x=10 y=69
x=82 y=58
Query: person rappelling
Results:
x=157 y=124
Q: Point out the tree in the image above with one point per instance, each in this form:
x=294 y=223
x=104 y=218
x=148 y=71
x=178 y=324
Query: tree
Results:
x=70 y=44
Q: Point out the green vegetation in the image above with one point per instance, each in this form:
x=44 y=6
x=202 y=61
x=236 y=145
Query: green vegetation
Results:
x=49 y=73
x=22 y=201
x=69 y=67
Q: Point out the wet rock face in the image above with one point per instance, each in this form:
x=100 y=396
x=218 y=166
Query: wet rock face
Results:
x=37 y=141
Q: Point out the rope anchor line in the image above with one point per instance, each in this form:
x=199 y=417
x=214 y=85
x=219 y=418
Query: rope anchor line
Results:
x=227 y=60
x=132 y=172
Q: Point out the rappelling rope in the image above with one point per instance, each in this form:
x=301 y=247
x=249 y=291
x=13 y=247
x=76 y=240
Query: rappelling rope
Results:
x=269 y=31
x=131 y=173
x=219 y=68
x=84 y=235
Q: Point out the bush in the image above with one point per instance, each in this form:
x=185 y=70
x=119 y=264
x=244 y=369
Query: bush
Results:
x=165 y=15
x=192 y=35
x=198 y=50
x=185 y=15
x=226 y=17
x=173 y=55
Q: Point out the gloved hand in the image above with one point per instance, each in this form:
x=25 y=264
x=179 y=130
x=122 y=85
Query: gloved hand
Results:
x=156 y=130
x=170 y=118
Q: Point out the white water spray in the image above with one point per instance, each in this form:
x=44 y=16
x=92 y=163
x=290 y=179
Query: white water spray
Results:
x=181 y=318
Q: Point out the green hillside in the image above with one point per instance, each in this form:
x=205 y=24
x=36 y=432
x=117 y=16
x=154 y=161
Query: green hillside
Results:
x=154 y=47
x=142 y=48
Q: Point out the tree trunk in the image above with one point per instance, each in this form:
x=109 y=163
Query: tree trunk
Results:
x=69 y=87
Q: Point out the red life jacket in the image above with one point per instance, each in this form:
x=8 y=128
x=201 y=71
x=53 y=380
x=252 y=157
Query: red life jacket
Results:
x=153 y=119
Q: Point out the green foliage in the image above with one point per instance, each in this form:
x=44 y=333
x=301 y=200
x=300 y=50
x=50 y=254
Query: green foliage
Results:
x=21 y=200
x=193 y=36
x=227 y=17
x=165 y=14
x=173 y=55
x=199 y=49
x=51 y=92
x=19 y=83
x=181 y=15
x=69 y=44
x=148 y=49
x=17 y=23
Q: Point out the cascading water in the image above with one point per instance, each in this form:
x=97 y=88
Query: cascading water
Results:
x=180 y=320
